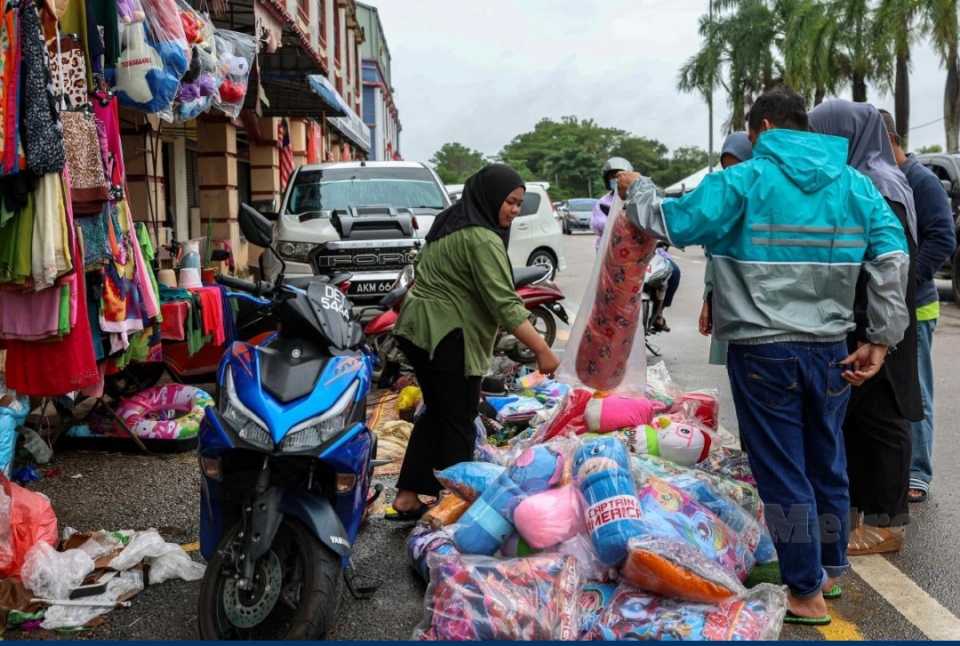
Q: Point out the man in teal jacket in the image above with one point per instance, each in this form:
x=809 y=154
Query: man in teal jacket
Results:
x=789 y=233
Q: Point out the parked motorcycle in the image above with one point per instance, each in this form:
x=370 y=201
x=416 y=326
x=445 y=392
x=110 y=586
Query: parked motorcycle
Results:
x=285 y=458
x=654 y=292
x=539 y=295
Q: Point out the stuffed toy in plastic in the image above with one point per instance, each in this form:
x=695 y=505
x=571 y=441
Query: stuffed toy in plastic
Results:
x=549 y=518
x=469 y=479
x=601 y=468
x=683 y=550
x=678 y=441
x=489 y=520
x=605 y=414
x=632 y=615
x=141 y=79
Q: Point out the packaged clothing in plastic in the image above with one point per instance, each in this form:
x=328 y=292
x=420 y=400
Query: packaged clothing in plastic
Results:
x=424 y=541
x=32 y=521
x=729 y=463
x=674 y=439
x=235 y=53
x=602 y=471
x=480 y=598
x=12 y=416
x=703 y=488
x=489 y=520
x=581 y=548
x=120 y=588
x=594 y=597
x=661 y=386
x=635 y=615
x=549 y=518
x=447 y=511
x=605 y=414
x=606 y=350
x=50 y=574
x=469 y=479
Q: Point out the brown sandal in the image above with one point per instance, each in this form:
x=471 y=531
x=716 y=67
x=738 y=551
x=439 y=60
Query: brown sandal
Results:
x=916 y=495
x=866 y=540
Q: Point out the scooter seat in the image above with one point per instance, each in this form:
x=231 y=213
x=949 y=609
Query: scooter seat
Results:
x=523 y=276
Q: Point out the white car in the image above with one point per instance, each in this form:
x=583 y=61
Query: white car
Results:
x=536 y=236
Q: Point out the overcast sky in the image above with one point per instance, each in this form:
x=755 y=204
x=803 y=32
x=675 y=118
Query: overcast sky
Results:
x=481 y=72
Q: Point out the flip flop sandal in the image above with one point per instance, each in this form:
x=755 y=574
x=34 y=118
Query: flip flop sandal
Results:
x=791 y=618
x=409 y=516
x=833 y=593
x=916 y=495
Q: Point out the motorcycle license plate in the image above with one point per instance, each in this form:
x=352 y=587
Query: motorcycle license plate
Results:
x=371 y=287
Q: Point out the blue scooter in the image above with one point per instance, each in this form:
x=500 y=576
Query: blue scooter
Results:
x=286 y=459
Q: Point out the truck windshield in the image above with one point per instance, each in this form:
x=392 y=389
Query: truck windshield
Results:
x=341 y=188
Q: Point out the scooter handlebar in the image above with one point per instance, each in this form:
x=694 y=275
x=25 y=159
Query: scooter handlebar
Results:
x=244 y=285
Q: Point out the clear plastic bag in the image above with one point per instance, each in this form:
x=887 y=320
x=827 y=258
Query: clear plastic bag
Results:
x=50 y=574
x=32 y=521
x=661 y=386
x=174 y=564
x=201 y=82
x=481 y=598
x=469 y=479
x=550 y=517
x=633 y=615
x=120 y=587
x=166 y=560
x=12 y=416
x=606 y=350
x=581 y=548
x=424 y=541
x=235 y=53
x=143 y=79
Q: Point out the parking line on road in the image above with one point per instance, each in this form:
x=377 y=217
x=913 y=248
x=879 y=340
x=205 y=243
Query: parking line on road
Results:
x=909 y=599
x=840 y=630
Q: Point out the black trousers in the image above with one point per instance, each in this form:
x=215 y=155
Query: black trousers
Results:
x=445 y=434
x=878 y=444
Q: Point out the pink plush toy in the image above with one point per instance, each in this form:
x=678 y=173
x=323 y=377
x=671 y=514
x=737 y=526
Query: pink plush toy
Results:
x=619 y=411
x=672 y=438
x=550 y=518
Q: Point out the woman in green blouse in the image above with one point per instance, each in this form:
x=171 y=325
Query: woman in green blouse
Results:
x=462 y=294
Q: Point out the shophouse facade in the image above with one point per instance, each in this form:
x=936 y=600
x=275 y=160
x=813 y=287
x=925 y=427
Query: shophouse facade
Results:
x=380 y=111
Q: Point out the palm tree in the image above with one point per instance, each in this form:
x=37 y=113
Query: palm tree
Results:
x=941 y=18
x=895 y=29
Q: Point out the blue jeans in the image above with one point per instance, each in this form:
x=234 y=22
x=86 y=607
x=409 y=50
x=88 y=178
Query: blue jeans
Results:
x=921 y=466
x=791 y=400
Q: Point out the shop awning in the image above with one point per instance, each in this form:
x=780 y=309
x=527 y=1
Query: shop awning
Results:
x=295 y=94
x=322 y=87
x=345 y=121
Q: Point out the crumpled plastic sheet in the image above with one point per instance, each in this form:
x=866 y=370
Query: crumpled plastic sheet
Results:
x=50 y=574
x=166 y=560
x=124 y=584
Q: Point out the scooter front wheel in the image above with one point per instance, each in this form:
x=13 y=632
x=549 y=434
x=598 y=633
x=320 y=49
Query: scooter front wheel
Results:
x=546 y=326
x=295 y=592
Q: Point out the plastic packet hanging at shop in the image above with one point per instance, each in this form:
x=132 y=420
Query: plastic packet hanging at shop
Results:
x=235 y=52
x=606 y=350
x=151 y=62
x=632 y=615
x=199 y=85
x=481 y=598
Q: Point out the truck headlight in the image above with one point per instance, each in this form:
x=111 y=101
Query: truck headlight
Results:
x=296 y=251
x=316 y=431
x=245 y=422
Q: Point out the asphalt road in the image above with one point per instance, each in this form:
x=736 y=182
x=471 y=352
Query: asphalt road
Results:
x=135 y=491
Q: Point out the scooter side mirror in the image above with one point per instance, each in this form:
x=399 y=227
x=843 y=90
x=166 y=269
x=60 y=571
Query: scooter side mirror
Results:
x=255 y=228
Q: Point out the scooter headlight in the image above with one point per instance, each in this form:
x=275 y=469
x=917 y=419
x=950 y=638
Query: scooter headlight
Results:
x=318 y=430
x=249 y=427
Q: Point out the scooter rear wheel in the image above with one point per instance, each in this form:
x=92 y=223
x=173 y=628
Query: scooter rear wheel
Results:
x=309 y=576
x=543 y=322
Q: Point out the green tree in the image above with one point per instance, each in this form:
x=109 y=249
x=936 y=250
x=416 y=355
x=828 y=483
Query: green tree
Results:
x=648 y=156
x=941 y=16
x=896 y=27
x=454 y=162
x=925 y=150
x=685 y=161
x=568 y=154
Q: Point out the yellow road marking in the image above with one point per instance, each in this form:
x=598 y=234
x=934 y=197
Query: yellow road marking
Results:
x=191 y=547
x=840 y=630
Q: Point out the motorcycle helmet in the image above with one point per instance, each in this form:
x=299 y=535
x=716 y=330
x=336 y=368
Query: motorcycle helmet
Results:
x=613 y=166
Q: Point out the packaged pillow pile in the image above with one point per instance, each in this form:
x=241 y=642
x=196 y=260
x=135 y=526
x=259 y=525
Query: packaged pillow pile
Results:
x=579 y=527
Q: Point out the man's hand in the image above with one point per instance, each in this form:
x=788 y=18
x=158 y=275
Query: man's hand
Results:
x=865 y=363
x=706 y=321
x=625 y=180
x=547 y=363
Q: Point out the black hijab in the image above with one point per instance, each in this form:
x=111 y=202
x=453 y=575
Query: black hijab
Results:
x=479 y=206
